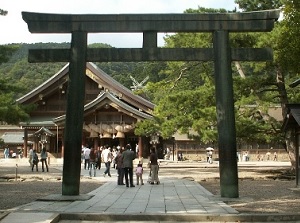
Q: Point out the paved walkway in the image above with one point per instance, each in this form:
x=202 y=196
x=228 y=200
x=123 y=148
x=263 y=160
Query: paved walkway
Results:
x=172 y=196
x=179 y=200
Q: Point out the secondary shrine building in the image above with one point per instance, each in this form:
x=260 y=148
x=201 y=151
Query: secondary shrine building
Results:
x=111 y=112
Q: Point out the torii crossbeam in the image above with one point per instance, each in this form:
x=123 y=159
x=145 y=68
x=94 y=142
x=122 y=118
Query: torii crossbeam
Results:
x=220 y=24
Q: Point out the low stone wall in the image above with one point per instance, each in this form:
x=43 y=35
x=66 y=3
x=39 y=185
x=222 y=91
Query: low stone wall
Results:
x=197 y=155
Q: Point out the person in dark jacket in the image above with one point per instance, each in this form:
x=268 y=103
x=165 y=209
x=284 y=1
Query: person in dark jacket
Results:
x=35 y=161
x=98 y=163
x=128 y=157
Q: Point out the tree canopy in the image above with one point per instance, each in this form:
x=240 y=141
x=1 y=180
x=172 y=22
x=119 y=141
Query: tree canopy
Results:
x=185 y=99
x=10 y=112
x=258 y=5
x=3 y=12
x=289 y=44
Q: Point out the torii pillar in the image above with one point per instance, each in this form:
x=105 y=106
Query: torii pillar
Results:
x=219 y=24
x=74 y=114
x=225 y=114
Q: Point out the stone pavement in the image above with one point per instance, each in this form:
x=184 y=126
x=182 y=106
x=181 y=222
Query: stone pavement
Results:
x=179 y=200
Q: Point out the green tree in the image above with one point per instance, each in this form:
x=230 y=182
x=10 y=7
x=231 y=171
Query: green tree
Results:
x=285 y=42
x=10 y=112
x=288 y=42
x=287 y=58
x=257 y=5
x=3 y=12
x=185 y=98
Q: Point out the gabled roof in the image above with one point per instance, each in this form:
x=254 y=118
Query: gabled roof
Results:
x=44 y=131
x=43 y=121
x=14 y=138
x=100 y=77
x=118 y=89
x=117 y=104
x=52 y=80
x=107 y=98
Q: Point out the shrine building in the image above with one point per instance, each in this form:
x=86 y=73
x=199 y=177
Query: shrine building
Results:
x=111 y=112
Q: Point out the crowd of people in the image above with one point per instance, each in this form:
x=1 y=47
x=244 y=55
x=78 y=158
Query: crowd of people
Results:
x=33 y=158
x=12 y=154
x=267 y=157
x=121 y=159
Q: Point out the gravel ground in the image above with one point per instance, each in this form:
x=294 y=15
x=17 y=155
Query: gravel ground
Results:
x=262 y=196
x=261 y=189
x=31 y=186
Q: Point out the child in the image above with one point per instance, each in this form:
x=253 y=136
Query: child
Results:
x=139 y=174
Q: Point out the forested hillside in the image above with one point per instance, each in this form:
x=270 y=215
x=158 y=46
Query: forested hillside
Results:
x=29 y=75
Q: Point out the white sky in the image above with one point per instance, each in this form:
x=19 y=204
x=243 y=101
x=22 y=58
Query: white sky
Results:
x=14 y=30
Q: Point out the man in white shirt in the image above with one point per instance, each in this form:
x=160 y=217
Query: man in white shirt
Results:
x=86 y=154
x=30 y=156
x=107 y=158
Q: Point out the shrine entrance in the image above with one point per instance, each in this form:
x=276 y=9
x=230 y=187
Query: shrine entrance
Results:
x=219 y=24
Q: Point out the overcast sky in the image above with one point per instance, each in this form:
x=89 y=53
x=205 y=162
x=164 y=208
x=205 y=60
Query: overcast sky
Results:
x=14 y=29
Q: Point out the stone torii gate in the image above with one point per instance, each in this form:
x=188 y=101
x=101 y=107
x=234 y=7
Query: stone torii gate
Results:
x=219 y=24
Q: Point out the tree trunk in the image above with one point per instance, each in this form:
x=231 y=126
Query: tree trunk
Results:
x=290 y=142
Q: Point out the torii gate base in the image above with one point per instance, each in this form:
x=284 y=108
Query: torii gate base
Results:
x=150 y=24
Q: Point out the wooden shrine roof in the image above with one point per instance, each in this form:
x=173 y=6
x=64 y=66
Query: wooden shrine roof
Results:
x=113 y=93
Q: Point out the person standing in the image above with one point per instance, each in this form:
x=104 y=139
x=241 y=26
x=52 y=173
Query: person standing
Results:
x=30 y=156
x=210 y=158
x=128 y=156
x=114 y=155
x=98 y=154
x=180 y=157
x=20 y=153
x=92 y=161
x=275 y=157
x=82 y=153
x=120 y=167
x=6 y=152
x=86 y=154
x=207 y=156
x=107 y=157
x=153 y=167
x=139 y=174
x=35 y=161
x=44 y=157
